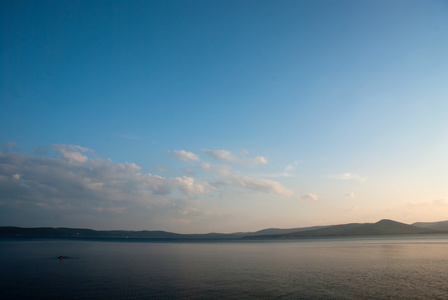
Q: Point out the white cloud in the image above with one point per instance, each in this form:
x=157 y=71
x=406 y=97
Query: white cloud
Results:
x=159 y=185
x=257 y=185
x=184 y=155
x=227 y=156
x=348 y=176
x=222 y=155
x=71 y=185
x=253 y=184
x=132 y=166
x=309 y=197
x=190 y=186
x=72 y=152
x=58 y=182
x=258 y=160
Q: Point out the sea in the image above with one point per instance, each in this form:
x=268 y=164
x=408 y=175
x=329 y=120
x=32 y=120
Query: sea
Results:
x=392 y=267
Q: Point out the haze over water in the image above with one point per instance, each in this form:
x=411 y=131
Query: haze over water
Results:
x=409 y=267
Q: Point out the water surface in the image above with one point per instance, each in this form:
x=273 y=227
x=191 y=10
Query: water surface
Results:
x=410 y=267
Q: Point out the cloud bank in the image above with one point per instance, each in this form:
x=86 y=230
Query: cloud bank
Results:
x=74 y=179
x=75 y=183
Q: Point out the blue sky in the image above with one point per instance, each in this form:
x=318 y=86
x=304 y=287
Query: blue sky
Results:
x=199 y=116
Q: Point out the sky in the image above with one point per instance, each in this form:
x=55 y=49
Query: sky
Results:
x=222 y=116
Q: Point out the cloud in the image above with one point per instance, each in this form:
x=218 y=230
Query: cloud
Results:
x=189 y=185
x=184 y=155
x=71 y=184
x=291 y=167
x=348 y=176
x=216 y=169
x=72 y=153
x=73 y=181
x=253 y=184
x=350 y=195
x=73 y=178
x=309 y=197
x=258 y=160
x=227 y=156
x=222 y=155
x=256 y=185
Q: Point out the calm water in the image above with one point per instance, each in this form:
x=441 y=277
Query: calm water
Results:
x=350 y=268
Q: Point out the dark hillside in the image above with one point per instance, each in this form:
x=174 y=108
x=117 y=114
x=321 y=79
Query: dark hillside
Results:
x=270 y=231
x=383 y=227
x=442 y=225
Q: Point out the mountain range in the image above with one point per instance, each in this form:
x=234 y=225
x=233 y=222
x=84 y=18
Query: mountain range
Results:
x=383 y=227
x=443 y=225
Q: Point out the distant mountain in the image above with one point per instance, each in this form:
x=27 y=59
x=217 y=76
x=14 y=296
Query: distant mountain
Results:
x=383 y=227
x=442 y=225
x=271 y=231
x=90 y=233
x=80 y=232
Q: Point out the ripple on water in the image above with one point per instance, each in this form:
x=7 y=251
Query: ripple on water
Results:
x=339 y=269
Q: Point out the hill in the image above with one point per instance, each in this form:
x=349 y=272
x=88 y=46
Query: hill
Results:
x=383 y=227
x=90 y=233
x=271 y=231
x=81 y=232
x=442 y=225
